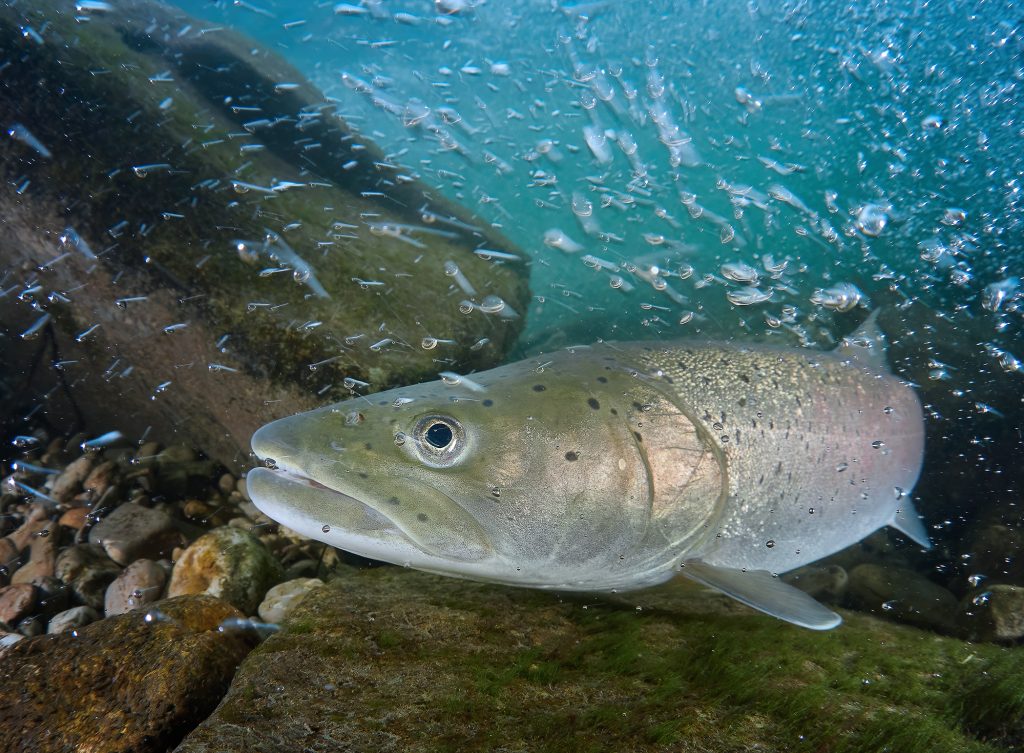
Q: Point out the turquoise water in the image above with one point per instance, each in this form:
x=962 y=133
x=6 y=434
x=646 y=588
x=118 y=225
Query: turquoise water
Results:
x=870 y=145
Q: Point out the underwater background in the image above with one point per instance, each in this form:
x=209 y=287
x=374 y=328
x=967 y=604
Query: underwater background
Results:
x=447 y=186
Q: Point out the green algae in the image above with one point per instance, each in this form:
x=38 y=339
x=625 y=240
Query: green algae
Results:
x=473 y=667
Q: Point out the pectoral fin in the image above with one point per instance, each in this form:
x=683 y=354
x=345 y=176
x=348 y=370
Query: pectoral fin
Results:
x=763 y=591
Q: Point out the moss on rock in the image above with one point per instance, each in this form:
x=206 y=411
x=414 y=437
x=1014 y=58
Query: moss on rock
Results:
x=388 y=659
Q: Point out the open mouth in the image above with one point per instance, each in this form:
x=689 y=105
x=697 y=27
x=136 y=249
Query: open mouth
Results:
x=319 y=512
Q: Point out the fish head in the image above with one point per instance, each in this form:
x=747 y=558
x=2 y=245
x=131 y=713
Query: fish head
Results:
x=534 y=474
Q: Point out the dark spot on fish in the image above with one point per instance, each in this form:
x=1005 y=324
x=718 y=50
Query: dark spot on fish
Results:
x=682 y=366
x=614 y=412
x=602 y=380
x=488 y=403
x=394 y=501
x=639 y=437
x=668 y=379
x=383 y=402
x=539 y=388
x=760 y=480
x=571 y=456
x=637 y=406
x=744 y=378
x=422 y=517
x=592 y=402
x=363 y=475
x=368 y=446
x=742 y=402
x=737 y=436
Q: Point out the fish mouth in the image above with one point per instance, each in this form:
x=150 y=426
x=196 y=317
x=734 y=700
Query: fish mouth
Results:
x=319 y=512
x=307 y=498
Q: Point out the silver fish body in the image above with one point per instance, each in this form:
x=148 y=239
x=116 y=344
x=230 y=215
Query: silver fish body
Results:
x=613 y=467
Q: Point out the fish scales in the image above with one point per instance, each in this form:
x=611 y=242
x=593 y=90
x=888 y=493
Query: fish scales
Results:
x=614 y=467
x=820 y=450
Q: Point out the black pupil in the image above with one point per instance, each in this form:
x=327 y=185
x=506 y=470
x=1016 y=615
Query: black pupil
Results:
x=439 y=435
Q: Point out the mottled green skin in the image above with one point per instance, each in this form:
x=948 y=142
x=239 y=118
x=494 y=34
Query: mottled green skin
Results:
x=605 y=467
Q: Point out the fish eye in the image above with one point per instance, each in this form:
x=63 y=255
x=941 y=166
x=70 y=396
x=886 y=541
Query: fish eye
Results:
x=440 y=435
x=440 y=440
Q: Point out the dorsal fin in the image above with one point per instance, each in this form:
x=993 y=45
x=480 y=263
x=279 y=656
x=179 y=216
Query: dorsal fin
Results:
x=866 y=345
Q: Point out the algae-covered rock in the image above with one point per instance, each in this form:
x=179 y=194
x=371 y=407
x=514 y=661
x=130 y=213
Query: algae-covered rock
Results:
x=229 y=563
x=903 y=594
x=127 y=683
x=208 y=244
x=396 y=660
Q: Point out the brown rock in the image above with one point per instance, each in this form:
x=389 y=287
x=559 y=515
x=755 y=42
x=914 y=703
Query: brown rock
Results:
x=16 y=602
x=124 y=684
x=132 y=531
x=75 y=518
x=146 y=455
x=69 y=483
x=138 y=585
x=41 y=559
x=100 y=478
x=226 y=484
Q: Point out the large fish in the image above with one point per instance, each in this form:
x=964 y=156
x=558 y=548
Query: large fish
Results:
x=614 y=467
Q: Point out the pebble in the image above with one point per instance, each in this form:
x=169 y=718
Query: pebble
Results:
x=71 y=619
x=100 y=478
x=75 y=518
x=176 y=453
x=284 y=597
x=17 y=602
x=88 y=571
x=145 y=457
x=41 y=559
x=994 y=613
x=69 y=482
x=229 y=563
x=139 y=584
x=132 y=531
x=903 y=595
x=53 y=596
x=304 y=568
x=9 y=639
x=226 y=484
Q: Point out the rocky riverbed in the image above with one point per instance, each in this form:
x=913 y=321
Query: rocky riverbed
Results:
x=141 y=578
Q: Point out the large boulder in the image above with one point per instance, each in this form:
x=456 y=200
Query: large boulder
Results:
x=396 y=660
x=136 y=682
x=208 y=243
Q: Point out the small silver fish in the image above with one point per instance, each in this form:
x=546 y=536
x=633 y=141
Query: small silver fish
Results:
x=614 y=467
